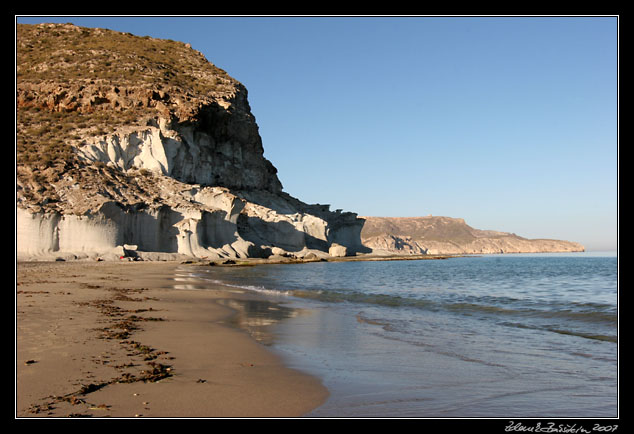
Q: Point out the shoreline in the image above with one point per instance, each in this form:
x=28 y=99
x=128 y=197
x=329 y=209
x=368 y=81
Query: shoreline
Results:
x=130 y=339
x=117 y=339
x=124 y=255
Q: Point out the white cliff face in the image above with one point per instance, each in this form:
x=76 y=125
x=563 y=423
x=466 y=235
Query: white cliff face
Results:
x=142 y=149
x=185 y=153
x=176 y=211
x=196 y=221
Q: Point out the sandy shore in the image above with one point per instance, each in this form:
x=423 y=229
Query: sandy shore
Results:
x=104 y=339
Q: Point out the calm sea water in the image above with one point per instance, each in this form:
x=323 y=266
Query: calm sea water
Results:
x=489 y=336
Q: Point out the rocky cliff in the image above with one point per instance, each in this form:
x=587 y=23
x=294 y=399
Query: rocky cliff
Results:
x=446 y=235
x=140 y=147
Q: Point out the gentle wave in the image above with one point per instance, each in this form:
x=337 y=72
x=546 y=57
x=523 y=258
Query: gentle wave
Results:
x=586 y=312
x=597 y=314
x=466 y=308
x=570 y=300
x=593 y=336
x=254 y=288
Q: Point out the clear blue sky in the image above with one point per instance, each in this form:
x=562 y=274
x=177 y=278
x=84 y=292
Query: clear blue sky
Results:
x=507 y=122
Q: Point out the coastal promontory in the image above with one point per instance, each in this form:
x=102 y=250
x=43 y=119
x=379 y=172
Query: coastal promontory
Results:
x=430 y=235
x=137 y=146
x=134 y=147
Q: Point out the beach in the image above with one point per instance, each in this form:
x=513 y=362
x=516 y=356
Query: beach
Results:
x=127 y=339
x=501 y=336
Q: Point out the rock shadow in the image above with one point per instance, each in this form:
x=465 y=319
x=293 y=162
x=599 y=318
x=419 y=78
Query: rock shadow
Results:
x=277 y=234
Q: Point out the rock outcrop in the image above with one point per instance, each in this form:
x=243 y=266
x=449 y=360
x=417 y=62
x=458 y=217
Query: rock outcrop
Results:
x=446 y=235
x=138 y=147
x=337 y=250
x=162 y=154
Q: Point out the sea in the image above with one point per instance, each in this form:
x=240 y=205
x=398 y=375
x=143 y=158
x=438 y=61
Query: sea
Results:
x=491 y=336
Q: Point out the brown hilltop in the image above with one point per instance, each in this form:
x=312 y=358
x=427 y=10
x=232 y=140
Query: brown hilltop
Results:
x=447 y=235
x=75 y=85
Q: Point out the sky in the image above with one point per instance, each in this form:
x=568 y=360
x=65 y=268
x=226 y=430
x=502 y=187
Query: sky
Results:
x=509 y=122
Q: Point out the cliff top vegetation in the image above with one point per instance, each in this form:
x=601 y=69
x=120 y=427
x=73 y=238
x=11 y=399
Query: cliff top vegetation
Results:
x=74 y=82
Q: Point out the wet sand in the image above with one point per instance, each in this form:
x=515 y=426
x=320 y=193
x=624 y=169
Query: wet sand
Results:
x=124 y=339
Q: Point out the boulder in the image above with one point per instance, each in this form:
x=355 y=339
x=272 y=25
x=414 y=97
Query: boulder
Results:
x=277 y=251
x=337 y=250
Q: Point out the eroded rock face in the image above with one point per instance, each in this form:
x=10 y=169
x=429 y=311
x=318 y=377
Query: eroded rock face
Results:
x=213 y=154
x=164 y=154
x=202 y=222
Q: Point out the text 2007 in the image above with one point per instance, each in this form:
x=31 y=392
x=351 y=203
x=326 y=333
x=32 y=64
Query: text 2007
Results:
x=606 y=428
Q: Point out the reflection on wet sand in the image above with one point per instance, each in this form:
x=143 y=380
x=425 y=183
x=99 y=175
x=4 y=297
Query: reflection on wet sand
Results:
x=253 y=313
x=184 y=279
x=258 y=316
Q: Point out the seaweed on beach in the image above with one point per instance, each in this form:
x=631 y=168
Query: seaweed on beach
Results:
x=157 y=372
x=92 y=387
x=120 y=327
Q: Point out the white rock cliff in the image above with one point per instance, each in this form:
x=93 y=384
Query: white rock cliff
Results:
x=188 y=180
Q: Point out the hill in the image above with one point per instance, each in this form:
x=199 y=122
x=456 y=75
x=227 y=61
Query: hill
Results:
x=446 y=235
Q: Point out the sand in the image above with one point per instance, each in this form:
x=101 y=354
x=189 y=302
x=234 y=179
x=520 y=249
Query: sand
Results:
x=116 y=339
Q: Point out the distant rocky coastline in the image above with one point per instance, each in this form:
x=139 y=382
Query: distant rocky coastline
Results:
x=445 y=235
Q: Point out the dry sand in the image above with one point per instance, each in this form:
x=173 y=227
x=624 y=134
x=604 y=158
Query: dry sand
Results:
x=105 y=339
